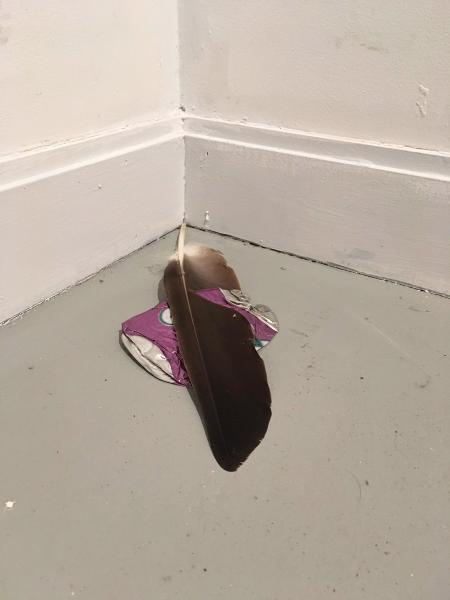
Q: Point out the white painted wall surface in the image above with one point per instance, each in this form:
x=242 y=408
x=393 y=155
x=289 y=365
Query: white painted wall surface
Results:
x=71 y=68
x=366 y=69
x=91 y=149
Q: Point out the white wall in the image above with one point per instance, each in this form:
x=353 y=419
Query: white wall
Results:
x=278 y=95
x=90 y=89
x=91 y=148
x=350 y=68
x=69 y=68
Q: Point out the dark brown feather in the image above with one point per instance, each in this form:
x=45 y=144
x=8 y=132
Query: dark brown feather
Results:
x=216 y=344
x=207 y=268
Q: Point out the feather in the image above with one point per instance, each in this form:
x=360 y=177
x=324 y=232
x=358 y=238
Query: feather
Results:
x=227 y=376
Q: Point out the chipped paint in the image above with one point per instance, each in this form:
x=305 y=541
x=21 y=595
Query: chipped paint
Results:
x=422 y=104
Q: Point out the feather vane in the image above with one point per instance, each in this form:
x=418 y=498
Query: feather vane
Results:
x=227 y=376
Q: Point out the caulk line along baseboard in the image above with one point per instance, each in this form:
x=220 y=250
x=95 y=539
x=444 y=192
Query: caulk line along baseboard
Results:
x=69 y=209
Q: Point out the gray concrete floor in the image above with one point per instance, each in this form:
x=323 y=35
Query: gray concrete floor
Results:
x=117 y=495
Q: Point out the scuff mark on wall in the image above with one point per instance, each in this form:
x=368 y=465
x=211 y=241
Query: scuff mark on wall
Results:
x=353 y=39
x=374 y=47
x=422 y=104
x=4 y=29
x=360 y=254
x=4 y=35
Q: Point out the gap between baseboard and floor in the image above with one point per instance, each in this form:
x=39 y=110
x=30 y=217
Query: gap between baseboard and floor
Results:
x=70 y=209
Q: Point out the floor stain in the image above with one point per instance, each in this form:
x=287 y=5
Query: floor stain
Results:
x=155 y=269
x=423 y=384
x=420 y=310
x=297 y=332
x=357 y=253
x=358 y=483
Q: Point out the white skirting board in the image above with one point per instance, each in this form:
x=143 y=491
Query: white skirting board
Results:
x=66 y=211
x=381 y=210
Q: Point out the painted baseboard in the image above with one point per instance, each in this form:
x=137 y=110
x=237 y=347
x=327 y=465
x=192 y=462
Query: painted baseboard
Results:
x=382 y=210
x=68 y=210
